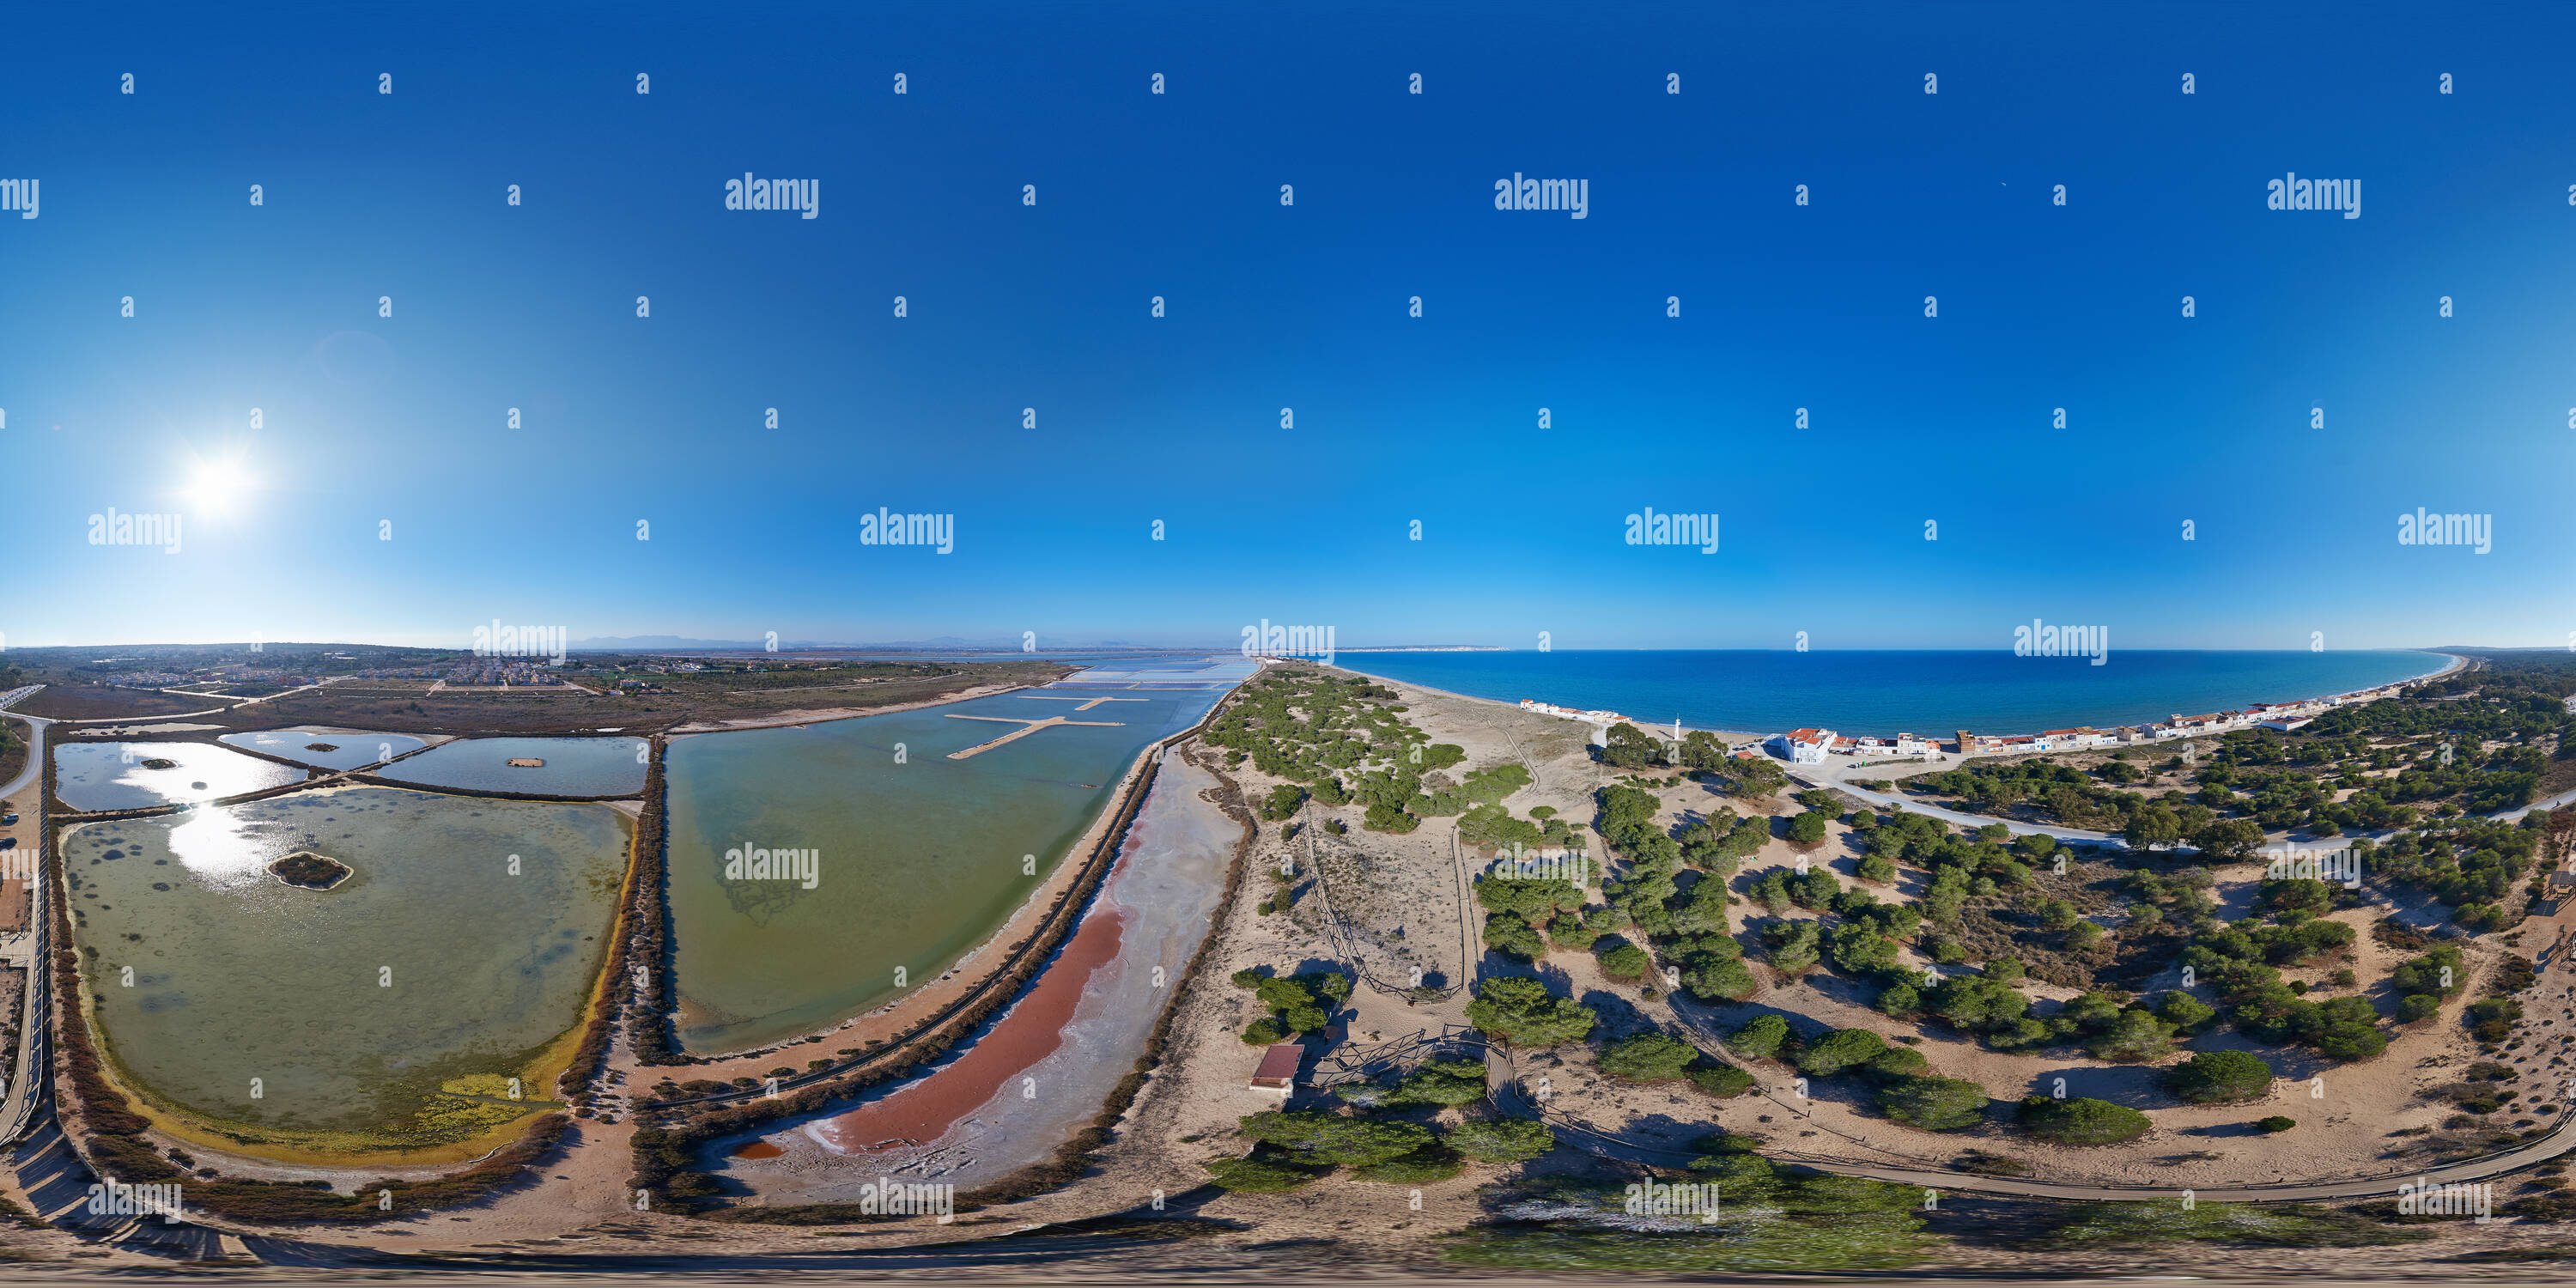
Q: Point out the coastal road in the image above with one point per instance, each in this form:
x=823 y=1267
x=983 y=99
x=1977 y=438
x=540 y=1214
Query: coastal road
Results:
x=1832 y=777
x=35 y=758
x=27 y=949
x=2551 y=1146
x=2560 y=801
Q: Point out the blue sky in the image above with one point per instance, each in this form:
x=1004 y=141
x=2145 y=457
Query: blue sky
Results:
x=372 y=420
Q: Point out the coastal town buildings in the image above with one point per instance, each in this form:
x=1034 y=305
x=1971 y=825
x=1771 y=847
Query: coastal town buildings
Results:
x=1570 y=713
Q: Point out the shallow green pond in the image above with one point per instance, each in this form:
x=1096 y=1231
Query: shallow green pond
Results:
x=431 y=962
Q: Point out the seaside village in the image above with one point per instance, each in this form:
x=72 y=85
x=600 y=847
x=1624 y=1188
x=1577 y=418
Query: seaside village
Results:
x=1812 y=746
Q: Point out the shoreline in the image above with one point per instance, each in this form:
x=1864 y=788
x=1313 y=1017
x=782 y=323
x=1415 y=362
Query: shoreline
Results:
x=1723 y=735
x=2455 y=664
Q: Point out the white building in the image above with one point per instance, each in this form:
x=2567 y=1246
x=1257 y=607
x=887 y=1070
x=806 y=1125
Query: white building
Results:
x=1804 y=746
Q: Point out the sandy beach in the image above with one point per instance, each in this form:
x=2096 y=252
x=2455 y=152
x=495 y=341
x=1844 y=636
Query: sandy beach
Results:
x=2453 y=663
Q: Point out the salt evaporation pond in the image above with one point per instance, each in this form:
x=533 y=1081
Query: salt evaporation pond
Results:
x=915 y=860
x=327 y=748
x=573 y=766
x=430 y=970
x=115 y=775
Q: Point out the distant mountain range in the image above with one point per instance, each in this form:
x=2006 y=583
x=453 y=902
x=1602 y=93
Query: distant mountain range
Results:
x=997 y=643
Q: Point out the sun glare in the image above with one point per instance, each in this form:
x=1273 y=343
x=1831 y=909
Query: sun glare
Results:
x=217 y=483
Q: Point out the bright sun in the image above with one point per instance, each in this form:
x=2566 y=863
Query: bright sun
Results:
x=217 y=483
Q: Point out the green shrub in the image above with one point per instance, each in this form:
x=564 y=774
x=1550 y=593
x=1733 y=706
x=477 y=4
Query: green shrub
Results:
x=1255 y=1176
x=1627 y=961
x=1507 y=934
x=1502 y=1140
x=1521 y=1012
x=1443 y=1082
x=1808 y=829
x=1840 y=1050
x=2219 y=1077
x=1759 y=1038
x=1314 y=1138
x=1934 y=1103
x=1419 y=1168
x=1723 y=1081
x=1898 y=1062
x=2081 y=1121
x=2277 y=1123
x=1647 y=1057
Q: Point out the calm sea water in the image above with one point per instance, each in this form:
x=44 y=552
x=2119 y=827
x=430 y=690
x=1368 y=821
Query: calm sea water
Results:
x=1885 y=693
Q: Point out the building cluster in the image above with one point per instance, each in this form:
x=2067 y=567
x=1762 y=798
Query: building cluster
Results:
x=147 y=679
x=2281 y=716
x=230 y=674
x=502 y=672
x=1569 y=713
x=1811 y=746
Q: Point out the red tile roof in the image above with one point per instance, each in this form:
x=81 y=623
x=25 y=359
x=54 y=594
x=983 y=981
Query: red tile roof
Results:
x=1279 y=1065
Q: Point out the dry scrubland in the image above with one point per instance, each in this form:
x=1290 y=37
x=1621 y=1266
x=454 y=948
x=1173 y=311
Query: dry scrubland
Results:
x=705 y=700
x=1373 y=905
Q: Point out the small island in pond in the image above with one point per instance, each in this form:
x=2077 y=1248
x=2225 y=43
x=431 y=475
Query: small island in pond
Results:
x=158 y=763
x=309 y=870
x=321 y=746
x=526 y=762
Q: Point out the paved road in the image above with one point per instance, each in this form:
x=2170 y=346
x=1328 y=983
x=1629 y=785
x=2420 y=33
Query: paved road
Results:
x=1831 y=776
x=35 y=742
x=2551 y=1146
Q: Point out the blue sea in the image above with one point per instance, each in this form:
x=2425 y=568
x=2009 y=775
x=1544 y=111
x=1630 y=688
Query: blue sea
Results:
x=1882 y=693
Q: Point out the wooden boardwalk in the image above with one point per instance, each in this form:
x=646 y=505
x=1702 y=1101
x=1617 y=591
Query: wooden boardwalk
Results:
x=1026 y=727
